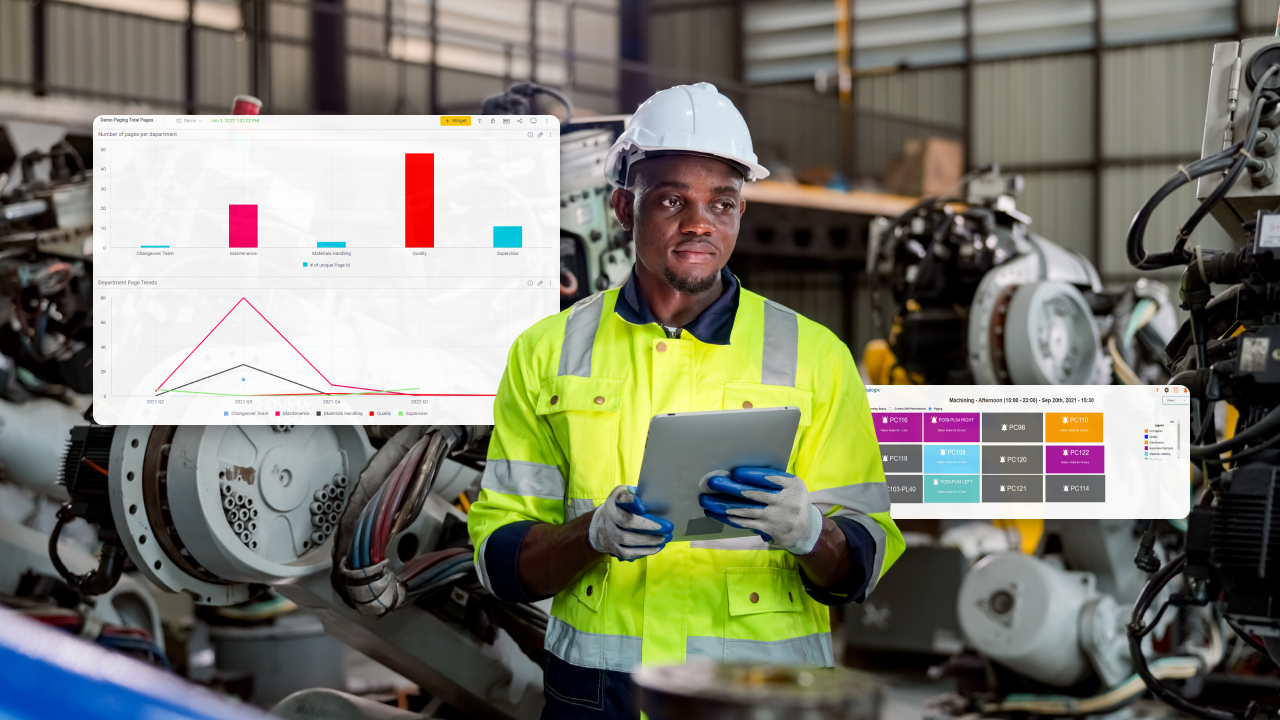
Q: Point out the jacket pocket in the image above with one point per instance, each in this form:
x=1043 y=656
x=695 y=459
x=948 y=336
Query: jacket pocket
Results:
x=755 y=590
x=590 y=588
x=583 y=414
x=754 y=395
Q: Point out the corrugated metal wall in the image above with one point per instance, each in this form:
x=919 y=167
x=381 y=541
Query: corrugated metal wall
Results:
x=1033 y=110
x=124 y=56
x=1153 y=99
x=1061 y=207
x=95 y=52
x=15 y=42
x=697 y=41
x=934 y=96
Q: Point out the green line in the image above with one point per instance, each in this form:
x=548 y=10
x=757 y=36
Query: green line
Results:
x=196 y=392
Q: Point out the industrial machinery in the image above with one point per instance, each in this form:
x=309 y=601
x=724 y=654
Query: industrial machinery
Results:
x=1227 y=351
x=45 y=267
x=596 y=253
x=967 y=274
x=222 y=513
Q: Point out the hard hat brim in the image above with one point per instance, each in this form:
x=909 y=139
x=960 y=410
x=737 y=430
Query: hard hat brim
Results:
x=635 y=153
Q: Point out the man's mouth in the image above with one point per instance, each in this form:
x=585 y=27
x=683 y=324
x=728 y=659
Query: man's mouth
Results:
x=695 y=252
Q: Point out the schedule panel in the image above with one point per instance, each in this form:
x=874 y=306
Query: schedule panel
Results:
x=983 y=452
x=317 y=269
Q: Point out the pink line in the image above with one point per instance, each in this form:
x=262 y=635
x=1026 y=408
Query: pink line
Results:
x=304 y=357
x=197 y=347
x=282 y=337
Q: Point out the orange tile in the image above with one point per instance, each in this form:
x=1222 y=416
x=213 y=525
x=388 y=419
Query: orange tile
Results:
x=1072 y=427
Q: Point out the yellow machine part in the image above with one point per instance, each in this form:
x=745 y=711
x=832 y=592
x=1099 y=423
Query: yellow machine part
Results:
x=882 y=366
x=1029 y=532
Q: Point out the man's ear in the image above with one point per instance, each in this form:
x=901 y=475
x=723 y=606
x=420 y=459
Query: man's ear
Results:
x=624 y=207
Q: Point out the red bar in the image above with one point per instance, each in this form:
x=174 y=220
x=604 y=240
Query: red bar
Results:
x=242 y=225
x=419 y=200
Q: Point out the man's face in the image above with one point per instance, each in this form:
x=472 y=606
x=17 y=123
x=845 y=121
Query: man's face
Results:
x=684 y=212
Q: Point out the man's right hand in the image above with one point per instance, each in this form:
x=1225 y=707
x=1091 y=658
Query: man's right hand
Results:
x=622 y=527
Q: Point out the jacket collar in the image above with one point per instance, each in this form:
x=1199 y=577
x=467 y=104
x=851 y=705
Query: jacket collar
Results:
x=714 y=326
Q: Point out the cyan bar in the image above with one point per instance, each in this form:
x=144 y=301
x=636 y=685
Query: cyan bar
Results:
x=331 y=244
x=507 y=236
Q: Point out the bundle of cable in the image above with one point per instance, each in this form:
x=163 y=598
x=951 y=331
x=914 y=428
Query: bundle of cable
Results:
x=399 y=500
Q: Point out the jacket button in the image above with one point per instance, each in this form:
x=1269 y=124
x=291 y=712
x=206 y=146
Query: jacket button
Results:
x=747 y=404
x=755 y=597
x=789 y=598
x=662 y=347
x=555 y=399
x=599 y=399
x=589 y=589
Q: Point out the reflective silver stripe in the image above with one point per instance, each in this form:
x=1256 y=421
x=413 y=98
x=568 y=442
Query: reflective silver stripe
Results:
x=812 y=650
x=481 y=571
x=751 y=542
x=575 y=508
x=580 y=335
x=592 y=650
x=880 y=536
x=781 y=345
x=516 y=477
x=867 y=497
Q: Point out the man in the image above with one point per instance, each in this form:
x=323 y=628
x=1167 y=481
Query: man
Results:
x=556 y=515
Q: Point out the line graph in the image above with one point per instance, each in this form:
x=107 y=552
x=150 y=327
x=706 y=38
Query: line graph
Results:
x=160 y=390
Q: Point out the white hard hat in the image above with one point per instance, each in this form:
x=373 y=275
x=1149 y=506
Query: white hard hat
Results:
x=693 y=119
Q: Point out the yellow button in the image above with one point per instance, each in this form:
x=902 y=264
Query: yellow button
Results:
x=455 y=120
x=599 y=399
x=662 y=347
x=747 y=404
x=755 y=597
x=555 y=399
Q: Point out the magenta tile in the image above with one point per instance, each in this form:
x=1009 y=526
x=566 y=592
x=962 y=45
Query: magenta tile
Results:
x=898 y=427
x=1077 y=459
x=952 y=427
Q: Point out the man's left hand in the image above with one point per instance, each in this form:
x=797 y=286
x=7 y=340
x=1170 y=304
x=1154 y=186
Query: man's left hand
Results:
x=771 y=503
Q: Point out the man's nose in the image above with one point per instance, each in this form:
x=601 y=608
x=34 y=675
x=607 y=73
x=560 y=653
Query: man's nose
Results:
x=697 y=221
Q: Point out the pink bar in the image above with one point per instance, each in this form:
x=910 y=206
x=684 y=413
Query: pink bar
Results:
x=242 y=226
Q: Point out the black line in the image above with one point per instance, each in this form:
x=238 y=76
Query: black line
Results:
x=203 y=378
x=289 y=381
x=264 y=372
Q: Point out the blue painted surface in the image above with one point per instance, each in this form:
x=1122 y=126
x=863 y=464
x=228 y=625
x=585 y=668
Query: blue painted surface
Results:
x=953 y=459
x=48 y=674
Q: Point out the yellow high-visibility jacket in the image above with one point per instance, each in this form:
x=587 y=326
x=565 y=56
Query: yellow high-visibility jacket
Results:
x=570 y=422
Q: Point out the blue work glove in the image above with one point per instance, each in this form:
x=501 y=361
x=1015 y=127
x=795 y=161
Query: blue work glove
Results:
x=623 y=528
x=771 y=503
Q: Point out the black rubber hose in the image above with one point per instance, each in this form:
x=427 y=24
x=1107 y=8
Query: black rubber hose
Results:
x=1258 y=431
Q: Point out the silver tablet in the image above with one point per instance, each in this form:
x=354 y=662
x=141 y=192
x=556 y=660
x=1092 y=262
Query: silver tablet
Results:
x=683 y=447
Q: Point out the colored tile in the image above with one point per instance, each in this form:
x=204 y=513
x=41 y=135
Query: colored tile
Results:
x=951 y=489
x=1073 y=427
x=953 y=459
x=952 y=427
x=1075 y=459
x=897 y=426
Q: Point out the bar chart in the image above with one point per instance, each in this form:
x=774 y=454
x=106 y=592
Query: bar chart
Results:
x=272 y=192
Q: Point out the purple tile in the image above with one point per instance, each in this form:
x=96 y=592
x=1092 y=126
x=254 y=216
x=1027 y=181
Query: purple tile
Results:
x=1074 y=459
x=952 y=427
x=898 y=427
